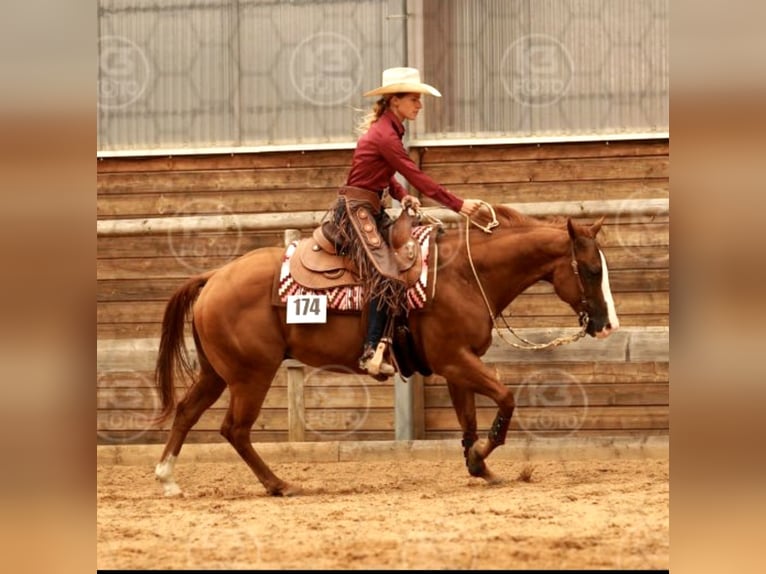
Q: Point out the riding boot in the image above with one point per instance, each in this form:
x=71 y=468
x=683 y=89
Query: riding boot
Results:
x=376 y=324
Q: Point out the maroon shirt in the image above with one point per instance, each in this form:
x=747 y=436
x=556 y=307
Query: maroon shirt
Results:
x=380 y=154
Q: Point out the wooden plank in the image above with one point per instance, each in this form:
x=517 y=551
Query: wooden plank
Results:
x=648 y=343
x=532 y=419
x=539 y=191
x=517 y=434
x=194 y=437
x=620 y=280
x=622 y=208
x=112 y=379
x=218 y=180
x=128 y=331
x=158 y=267
x=626 y=303
x=549 y=170
x=130 y=311
x=637 y=257
x=556 y=322
x=317 y=420
x=197 y=244
x=277 y=159
x=613 y=235
x=584 y=372
x=200 y=202
x=573 y=394
x=630 y=235
x=482 y=153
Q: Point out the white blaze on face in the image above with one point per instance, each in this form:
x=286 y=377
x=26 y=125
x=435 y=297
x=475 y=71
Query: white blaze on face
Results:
x=607 y=293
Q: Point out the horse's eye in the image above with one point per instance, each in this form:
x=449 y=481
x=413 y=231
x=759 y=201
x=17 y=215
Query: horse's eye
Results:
x=591 y=272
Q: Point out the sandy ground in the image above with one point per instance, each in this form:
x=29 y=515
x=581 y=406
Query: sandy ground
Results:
x=388 y=515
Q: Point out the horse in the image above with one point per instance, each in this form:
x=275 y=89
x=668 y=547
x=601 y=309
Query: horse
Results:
x=242 y=337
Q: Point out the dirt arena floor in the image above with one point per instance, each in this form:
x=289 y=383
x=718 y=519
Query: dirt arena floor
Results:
x=392 y=514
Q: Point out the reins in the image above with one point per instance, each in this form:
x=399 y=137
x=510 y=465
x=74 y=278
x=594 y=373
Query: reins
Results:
x=527 y=345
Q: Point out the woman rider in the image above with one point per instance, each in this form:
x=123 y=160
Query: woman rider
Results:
x=380 y=154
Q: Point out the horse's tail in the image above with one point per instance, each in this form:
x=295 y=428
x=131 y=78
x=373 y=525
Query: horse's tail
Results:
x=173 y=356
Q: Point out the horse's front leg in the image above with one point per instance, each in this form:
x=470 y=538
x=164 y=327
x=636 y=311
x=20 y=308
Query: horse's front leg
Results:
x=472 y=376
x=464 y=403
x=482 y=448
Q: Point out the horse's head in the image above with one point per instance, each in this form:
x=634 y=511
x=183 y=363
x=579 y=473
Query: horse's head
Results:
x=582 y=280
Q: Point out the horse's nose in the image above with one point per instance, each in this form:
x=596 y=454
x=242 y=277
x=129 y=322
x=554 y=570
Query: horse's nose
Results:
x=605 y=332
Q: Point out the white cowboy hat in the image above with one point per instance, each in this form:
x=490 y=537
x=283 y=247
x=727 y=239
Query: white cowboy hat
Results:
x=403 y=81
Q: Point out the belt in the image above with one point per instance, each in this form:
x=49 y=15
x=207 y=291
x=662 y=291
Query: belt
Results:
x=361 y=194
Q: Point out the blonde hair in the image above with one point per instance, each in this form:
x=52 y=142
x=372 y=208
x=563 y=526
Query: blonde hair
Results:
x=373 y=115
x=378 y=109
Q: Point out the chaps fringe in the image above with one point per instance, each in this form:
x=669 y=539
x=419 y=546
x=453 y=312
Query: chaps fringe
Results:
x=389 y=292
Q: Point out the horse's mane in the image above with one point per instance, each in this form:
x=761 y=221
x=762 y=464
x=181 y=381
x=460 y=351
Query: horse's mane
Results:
x=509 y=216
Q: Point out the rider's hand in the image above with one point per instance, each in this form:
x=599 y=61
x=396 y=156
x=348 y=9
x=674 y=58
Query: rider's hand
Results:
x=470 y=207
x=410 y=201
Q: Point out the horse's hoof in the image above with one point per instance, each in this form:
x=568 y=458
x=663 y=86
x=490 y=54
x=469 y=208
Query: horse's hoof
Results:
x=286 y=489
x=475 y=464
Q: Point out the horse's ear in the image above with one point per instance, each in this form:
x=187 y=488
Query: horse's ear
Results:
x=596 y=227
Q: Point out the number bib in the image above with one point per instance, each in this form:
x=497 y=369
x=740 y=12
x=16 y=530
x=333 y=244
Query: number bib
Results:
x=307 y=308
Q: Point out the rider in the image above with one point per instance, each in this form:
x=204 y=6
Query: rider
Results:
x=379 y=154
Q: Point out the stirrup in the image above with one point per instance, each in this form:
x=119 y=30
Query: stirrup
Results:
x=373 y=362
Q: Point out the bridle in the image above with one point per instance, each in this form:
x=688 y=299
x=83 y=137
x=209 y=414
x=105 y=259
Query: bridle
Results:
x=582 y=315
x=529 y=345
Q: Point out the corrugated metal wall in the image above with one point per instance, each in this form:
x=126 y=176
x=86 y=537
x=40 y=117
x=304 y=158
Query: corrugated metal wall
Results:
x=547 y=67
x=206 y=73
x=199 y=73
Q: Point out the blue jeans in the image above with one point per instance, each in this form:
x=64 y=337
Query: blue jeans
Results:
x=376 y=322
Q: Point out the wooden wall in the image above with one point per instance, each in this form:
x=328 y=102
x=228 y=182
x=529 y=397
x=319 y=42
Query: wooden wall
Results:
x=583 y=394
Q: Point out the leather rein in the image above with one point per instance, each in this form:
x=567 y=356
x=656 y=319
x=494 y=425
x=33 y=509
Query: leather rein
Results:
x=528 y=345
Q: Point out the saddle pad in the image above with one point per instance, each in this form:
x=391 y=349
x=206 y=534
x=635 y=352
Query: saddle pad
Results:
x=349 y=297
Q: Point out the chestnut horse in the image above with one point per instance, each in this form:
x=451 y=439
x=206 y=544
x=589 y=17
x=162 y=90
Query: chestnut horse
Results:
x=241 y=338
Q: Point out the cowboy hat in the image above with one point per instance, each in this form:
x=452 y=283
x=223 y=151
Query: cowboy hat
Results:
x=402 y=81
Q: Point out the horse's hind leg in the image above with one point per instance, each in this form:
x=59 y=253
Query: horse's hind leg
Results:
x=246 y=401
x=202 y=394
